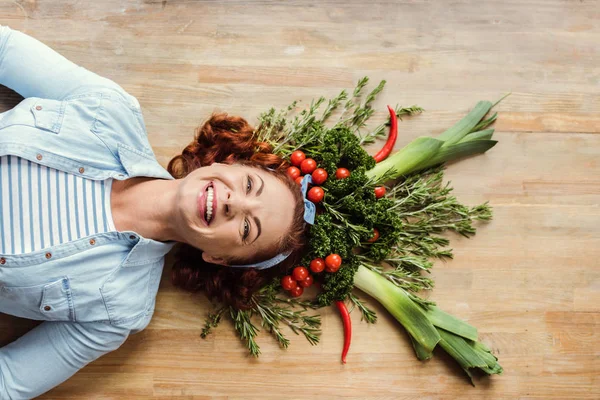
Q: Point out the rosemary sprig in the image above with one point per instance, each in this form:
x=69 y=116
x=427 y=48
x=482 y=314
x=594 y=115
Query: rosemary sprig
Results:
x=367 y=314
x=245 y=328
x=212 y=321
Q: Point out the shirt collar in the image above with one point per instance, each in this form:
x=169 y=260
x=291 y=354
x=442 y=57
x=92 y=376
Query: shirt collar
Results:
x=146 y=250
x=137 y=163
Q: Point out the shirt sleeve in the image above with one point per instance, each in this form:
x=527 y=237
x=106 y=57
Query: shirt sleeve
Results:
x=32 y=69
x=51 y=353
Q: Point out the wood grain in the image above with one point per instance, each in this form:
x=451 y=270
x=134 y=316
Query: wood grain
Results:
x=529 y=280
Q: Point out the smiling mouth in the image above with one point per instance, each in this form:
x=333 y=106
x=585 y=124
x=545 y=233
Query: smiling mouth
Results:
x=210 y=205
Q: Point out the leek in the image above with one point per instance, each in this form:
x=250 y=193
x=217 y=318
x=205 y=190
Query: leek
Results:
x=427 y=325
x=465 y=138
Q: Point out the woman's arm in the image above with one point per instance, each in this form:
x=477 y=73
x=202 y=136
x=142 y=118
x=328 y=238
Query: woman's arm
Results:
x=33 y=69
x=51 y=353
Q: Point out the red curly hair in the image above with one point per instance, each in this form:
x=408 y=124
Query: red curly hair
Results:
x=229 y=139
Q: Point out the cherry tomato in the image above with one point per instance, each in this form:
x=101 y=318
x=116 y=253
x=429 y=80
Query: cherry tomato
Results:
x=342 y=173
x=306 y=282
x=300 y=273
x=316 y=194
x=379 y=192
x=308 y=166
x=375 y=236
x=299 y=180
x=319 y=176
x=297 y=157
x=297 y=291
x=288 y=283
x=333 y=262
x=317 y=265
x=293 y=172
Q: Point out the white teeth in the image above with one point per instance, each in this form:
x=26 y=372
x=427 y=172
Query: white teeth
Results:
x=209 y=203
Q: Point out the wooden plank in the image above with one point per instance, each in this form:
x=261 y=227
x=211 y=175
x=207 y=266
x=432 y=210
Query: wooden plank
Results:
x=529 y=280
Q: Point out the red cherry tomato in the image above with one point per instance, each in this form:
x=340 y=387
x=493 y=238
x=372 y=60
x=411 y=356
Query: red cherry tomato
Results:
x=316 y=194
x=297 y=157
x=293 y=172
x=308 y=166
x=342 y=173
x=375 y=236
x=299 y=180
x=297 y=291
x=333 y=262
x=306 y=282
x=300 y=273
x=379 y=192
x=317 y=265
x=288 y=283
x=319 y=176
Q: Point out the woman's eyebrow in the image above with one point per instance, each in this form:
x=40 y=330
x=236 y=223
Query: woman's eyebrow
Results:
x=256 y=220
x=259 y=191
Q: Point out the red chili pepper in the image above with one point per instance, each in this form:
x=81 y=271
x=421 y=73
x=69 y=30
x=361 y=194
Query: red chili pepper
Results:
x=347 y=327
x=389 y=145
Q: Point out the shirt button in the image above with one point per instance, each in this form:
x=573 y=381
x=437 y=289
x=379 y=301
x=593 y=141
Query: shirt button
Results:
x=92 y=242
x=3 y=260
x=121 y=175
x=47 y=308
x=48 y=255
x=38 y=108
x=39 y=156
x=81 y=169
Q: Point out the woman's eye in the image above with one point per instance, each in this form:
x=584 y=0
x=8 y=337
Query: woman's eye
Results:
x=249 y=185
x=246 y=229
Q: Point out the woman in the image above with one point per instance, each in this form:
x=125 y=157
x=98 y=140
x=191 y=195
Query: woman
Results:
x=87 y=215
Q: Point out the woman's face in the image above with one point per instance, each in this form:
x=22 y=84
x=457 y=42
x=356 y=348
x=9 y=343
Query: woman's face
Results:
x=251 y=210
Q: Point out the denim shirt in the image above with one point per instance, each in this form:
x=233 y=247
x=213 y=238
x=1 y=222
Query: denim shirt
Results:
x=91 y=292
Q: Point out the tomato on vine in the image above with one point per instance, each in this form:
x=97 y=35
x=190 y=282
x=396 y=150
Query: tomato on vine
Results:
x=379 y=192
x=293 y=172
x=375 y=235
x=319 y=176
x=317 y=265
x=308 y=166
x=307 y=281
x=300 y=273
x=288 y=283
x=333 y=262
x=316 y=194
x=297 y=291
x=342 y=173
x=297 y=157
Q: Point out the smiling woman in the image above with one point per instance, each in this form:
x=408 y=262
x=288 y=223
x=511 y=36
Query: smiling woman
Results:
x=89 y=213
x=239 y=207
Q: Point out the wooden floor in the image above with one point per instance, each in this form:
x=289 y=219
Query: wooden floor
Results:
x=530 y=279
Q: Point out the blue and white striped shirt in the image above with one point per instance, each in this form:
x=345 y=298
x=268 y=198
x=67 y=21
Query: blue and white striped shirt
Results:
x=42 y=207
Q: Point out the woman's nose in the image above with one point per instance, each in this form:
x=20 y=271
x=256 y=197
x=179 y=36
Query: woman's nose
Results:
x=235 y=204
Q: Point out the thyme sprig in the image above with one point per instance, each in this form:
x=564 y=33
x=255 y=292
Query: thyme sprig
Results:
x=273 y=313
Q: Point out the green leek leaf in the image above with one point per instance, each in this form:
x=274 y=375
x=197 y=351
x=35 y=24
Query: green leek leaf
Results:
x=461 y=128
x=420 y=351
x=469 y=354
x=459 y=150
x=485 y=134
x=450 y=323
x=485 y=123
x=400 y=305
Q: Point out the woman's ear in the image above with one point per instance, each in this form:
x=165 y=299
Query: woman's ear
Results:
x=213 y=260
